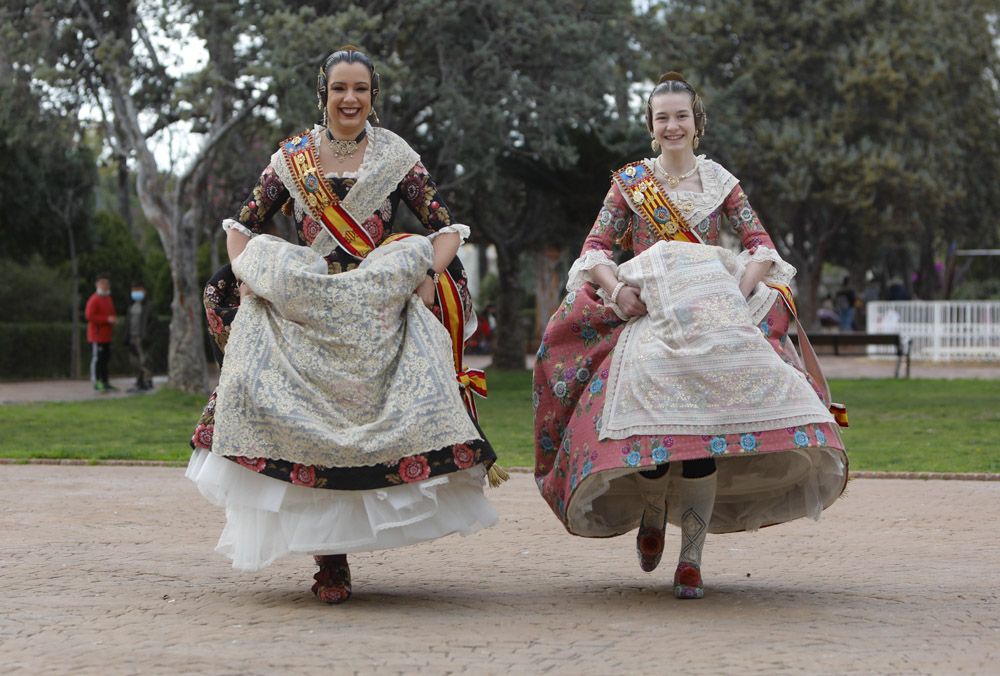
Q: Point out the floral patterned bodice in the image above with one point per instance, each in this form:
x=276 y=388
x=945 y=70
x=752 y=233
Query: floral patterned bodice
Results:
x=417 y=190
x=618 y=223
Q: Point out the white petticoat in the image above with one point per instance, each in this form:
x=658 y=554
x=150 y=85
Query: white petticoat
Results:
x=267 y=518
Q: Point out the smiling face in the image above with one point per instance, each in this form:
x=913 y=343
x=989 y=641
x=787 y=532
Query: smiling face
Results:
x=673 y=121
x=348 y=99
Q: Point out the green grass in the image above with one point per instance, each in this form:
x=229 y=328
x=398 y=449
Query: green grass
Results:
x=896 y=425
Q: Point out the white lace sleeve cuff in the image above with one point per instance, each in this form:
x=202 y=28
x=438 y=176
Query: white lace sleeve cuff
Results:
x=780 y=273
x=230 y=224
x=579 y=274
x=462 y=230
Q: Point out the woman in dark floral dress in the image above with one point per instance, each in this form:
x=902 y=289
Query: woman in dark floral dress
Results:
x=361 y=174
x=756 y=469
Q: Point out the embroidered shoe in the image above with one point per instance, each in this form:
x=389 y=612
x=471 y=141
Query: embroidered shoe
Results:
x=333 y=580
x=649 y=545
x=687 y=581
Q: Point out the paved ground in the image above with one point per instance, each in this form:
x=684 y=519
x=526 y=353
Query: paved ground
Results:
x=111 y=570
x=833 y=367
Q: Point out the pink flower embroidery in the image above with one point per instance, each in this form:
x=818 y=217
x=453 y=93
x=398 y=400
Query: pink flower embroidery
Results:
x=414 y=468
x=303 y=475
x=255 y=464
x=203 y=436
x=310 y=229
x=464 y=456
x=215 y=325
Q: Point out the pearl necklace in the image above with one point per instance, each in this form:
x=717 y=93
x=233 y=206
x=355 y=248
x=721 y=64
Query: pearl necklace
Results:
x=674 y=181
x=344 y=149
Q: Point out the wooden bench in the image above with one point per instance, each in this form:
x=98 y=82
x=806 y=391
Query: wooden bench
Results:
x=860 y=339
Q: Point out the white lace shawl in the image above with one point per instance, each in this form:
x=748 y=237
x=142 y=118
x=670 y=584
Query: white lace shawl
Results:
x=342 y=370
x=697 y=363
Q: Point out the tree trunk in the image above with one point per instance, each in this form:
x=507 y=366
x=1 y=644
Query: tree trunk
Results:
x=187 y=364
x=509 y=351
x=547 y=288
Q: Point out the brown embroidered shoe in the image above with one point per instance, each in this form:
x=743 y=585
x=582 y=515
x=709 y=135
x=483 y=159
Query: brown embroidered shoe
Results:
x=333 y=580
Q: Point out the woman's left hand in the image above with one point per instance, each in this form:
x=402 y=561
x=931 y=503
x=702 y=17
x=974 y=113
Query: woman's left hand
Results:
x=426 y=291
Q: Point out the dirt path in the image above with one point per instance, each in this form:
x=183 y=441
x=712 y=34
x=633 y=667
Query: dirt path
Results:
x=111 y=570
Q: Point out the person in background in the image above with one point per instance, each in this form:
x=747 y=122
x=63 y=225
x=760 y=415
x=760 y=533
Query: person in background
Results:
x=137 y=333
x=844 y=304
x=101 y=318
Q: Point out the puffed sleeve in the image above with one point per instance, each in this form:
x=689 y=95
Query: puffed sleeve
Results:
x=421 y=195
x=266 y=197
x=613 y=222
x=757 y=244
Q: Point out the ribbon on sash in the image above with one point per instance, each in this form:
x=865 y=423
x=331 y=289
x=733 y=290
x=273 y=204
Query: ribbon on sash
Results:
x=302 y=160
x=650 y=201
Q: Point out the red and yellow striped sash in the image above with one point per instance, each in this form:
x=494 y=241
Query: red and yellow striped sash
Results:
x=303 y=163
x=650 y=201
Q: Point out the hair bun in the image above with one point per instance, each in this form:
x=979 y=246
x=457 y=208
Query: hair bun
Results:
x=672 y=75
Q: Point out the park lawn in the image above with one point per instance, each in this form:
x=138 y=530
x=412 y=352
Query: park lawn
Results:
x=896 y=425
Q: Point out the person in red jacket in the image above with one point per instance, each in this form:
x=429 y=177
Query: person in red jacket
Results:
x=101 y=318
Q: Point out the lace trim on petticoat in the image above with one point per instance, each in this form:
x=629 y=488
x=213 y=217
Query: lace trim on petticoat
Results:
x=579 y=274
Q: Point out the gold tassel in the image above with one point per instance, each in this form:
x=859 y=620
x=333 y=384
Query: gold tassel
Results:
x=839 y=412
x=625 y=241
x=496 y=475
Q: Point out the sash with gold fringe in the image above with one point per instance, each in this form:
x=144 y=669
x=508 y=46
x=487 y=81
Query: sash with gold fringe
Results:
x=648 y=199
x=302 y=160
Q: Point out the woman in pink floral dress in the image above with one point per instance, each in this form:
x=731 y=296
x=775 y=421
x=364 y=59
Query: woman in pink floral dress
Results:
x=643 y=414
x=342 y=181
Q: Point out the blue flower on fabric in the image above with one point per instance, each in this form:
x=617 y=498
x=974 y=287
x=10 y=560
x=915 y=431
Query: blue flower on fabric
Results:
x=820 y=437
x=746 y=214
x=559 y=389
x=717 y=446
x=534 y=399
x=765 y=328
x=632 y=459
x=597 y=386
x=546 y=443
x=572 y=482
x=660 y=454
x=748 y=442
x=543 y=351
x=801 y=439
x=570 y=297
x=588 y=332
x=588 y=467
x=583 y=375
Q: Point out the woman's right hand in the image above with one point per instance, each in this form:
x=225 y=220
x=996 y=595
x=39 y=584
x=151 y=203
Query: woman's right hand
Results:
x=630 y=303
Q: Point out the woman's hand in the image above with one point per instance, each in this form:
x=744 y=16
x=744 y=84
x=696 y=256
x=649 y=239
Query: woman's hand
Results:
x=426 y=291
x=628 y=300
x=244 y=290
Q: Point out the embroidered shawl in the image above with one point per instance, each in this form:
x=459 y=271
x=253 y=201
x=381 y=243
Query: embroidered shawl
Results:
x=387 y=160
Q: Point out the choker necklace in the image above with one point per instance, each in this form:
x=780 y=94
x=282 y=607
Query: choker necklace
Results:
x=344 y=149
x=674 y=181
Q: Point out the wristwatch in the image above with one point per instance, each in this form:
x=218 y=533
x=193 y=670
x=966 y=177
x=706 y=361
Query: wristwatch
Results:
x=435 y=276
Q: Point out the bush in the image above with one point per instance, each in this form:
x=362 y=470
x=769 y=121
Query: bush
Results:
x=36 y=350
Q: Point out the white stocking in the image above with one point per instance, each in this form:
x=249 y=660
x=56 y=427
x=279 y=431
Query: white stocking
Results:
x=697 y=497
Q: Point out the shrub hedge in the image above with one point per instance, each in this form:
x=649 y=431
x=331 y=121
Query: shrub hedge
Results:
x=36 y=350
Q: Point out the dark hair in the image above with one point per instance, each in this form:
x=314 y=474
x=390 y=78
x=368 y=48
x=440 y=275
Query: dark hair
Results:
x=346 y=54
x=102 y=275
x=138 y=285
x=674 y=82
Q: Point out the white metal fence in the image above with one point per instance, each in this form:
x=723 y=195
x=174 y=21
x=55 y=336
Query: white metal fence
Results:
x=940 y=330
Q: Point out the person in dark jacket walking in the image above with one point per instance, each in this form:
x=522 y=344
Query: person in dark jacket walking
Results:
x=137 y=334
